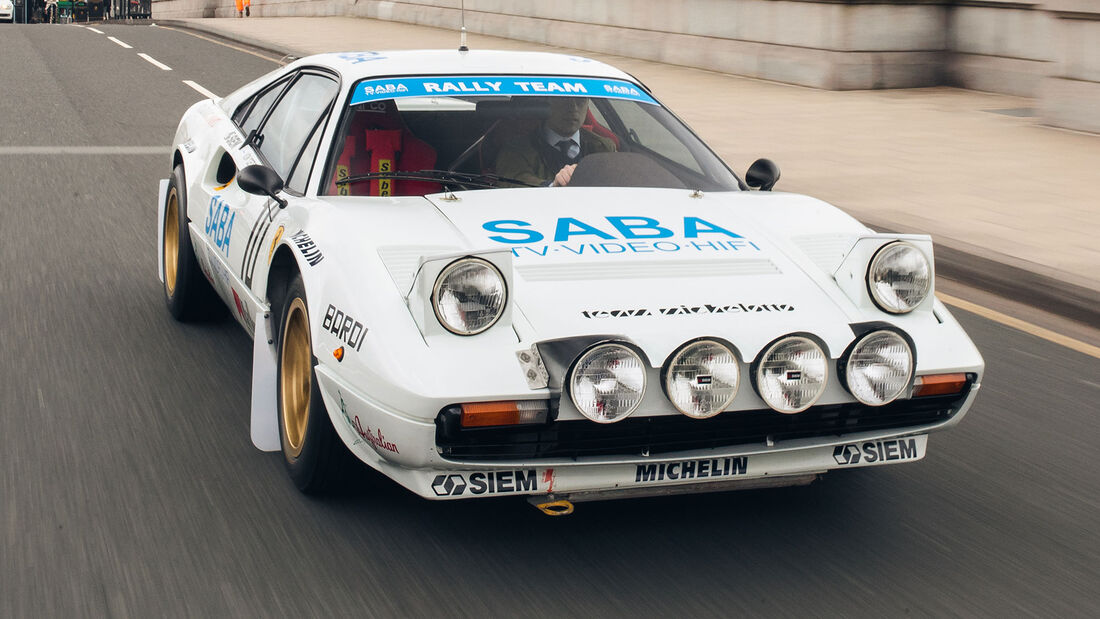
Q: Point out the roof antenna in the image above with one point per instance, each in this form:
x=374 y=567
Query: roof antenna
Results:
x=462 y=40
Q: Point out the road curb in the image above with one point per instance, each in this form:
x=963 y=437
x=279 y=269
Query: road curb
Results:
x=980 y=268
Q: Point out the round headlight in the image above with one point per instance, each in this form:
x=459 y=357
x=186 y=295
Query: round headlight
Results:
x=607 y=383
x=791 y=375
x=702 y=379
x=899 y=277
x=879 y=368
x=469 y=296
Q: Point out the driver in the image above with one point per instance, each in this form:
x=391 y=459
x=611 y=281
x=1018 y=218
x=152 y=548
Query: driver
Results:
x=548 y=155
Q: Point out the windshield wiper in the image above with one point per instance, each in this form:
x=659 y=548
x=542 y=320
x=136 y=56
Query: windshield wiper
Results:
x=445 y=177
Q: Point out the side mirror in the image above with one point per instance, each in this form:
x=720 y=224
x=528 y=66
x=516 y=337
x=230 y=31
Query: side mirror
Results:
x=261 y=180
x=762 y=174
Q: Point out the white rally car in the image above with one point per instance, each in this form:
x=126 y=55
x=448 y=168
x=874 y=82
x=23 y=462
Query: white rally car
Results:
x=497 y=273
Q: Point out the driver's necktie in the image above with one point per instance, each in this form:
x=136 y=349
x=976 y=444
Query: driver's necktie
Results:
x=563 y=147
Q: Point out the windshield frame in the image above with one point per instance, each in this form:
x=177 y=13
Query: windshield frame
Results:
x=637 y=93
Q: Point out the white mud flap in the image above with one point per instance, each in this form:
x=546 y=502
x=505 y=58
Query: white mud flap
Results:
x=162 y=195
x=265 y=418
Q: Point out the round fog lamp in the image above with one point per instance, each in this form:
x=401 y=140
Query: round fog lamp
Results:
x=899 y=277
x=469 y=296
x=702 y=379
x=607 y=383
x=791 y=375
x=879 y=368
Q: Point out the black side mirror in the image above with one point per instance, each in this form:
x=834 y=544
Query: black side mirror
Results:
x=763 y=174
x=261 y=180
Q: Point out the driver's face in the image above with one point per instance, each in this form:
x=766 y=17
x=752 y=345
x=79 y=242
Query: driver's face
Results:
x=567 y=114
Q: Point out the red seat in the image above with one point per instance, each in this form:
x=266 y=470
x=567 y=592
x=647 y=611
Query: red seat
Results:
x=379 y=141
x=592 y=125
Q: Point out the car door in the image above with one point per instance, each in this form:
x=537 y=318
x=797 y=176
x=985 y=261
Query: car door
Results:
x=286 y=141
x=220 y=207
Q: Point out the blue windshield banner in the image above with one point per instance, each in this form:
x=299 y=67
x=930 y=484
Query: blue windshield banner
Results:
x=526 y=85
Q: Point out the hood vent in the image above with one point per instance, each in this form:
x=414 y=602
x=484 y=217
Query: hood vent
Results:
x=672 y=269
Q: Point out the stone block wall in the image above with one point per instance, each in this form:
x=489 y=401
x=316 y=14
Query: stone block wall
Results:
x=1048 y=49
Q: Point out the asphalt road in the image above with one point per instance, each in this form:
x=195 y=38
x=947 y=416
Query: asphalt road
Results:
x=129 y=487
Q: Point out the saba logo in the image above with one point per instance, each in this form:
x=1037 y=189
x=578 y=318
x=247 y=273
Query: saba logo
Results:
x=846 y=454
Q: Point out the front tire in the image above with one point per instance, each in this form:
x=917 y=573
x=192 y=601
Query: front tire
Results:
x=312 y=451
x=186 y=292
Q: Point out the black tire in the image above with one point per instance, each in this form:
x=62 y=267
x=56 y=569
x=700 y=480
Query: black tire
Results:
x=314 y=455
x=186 y=292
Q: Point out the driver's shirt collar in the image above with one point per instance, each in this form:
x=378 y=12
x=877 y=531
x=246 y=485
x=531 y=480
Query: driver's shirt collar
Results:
x=553 y=137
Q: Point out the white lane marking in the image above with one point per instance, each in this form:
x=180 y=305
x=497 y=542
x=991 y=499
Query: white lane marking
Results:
x=94 y=30
x=1026 y=327
x=84 y=150
x=155 y=62
x=126 y=45
x=204 y=92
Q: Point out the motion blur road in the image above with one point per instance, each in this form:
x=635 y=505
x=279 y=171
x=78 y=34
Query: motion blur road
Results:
x=129 y=486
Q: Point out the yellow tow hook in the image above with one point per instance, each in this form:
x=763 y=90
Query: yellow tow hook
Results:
x=556 y=507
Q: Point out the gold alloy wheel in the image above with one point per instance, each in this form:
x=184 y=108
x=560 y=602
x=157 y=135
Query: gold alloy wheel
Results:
x=171 y=241
x=295 y=379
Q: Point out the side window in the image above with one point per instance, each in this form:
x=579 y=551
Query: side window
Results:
x=300 y=176
x=293 y=119
x=252 y=112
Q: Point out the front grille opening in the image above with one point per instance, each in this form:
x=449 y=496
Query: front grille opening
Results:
x=664 y=434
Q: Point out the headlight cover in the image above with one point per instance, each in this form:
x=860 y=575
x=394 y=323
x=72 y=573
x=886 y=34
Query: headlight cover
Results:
x=791 y=374
x=879 y=368
x=899 y=277
x=702 y=379
x=469 y=296
x=607 y=383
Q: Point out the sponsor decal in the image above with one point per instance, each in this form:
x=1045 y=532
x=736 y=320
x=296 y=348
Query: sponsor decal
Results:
x=255 y=242
x=189 y=146
x=371 y=90
x=617 y=235
x=309 y=249
x=872 y=452
x=274 y=243
x=237 y=302
x=233 y=139
x=375 y=437
x=487 y=482
x=349 y=330
x=681 y=310
x=691 y=469
x=347 y=418
x=342 y=173
x=360 y=57
x=219 y=224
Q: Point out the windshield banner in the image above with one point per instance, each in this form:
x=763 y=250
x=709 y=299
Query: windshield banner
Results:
x=446 y=86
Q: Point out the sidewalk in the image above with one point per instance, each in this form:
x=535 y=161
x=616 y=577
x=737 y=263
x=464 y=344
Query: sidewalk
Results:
x=1013 y=206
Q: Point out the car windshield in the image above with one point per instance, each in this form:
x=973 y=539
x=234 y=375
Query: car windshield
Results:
x=414 y=136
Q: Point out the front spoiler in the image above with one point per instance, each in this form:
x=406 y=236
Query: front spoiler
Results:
x=658 y=476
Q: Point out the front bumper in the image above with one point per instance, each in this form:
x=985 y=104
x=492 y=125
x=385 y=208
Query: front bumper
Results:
x=406 y=450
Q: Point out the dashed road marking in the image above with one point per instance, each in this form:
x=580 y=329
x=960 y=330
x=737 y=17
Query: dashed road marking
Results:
x=94 y=30
x=200 y=89
x=126 y=45
x=155 y=62
x=1026 y=327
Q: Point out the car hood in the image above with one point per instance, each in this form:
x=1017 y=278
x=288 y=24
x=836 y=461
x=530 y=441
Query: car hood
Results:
x=660 y=267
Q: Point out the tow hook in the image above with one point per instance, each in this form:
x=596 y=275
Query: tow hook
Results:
x=551 y=505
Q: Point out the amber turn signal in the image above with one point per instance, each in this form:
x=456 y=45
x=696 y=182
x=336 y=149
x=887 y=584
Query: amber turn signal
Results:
x=509 y=413
x=939 y=384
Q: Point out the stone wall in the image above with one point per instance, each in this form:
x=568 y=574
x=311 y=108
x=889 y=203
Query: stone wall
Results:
x=1048 y=49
